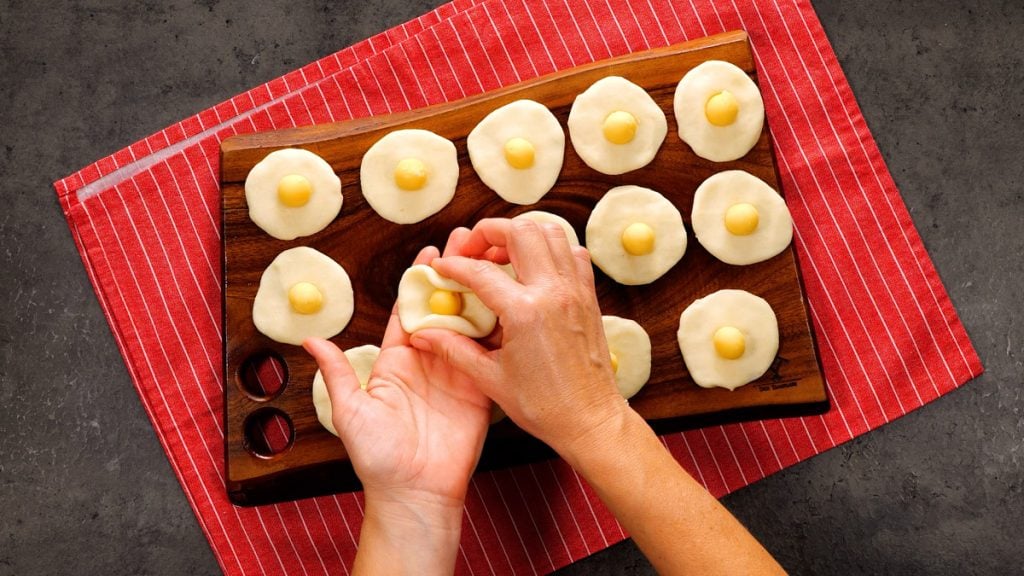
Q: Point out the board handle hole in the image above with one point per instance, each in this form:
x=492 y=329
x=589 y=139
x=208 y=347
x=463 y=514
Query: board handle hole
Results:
x=268 y=432
x=263 y=375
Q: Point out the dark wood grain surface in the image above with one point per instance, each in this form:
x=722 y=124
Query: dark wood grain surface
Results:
x=375 y=252
x=83 y=469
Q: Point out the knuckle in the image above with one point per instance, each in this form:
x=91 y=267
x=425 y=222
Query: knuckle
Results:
x=529 y=301
x=552 y=230
x=552 y=299
x=481 y=266
x=581 y=253
x=523 y=225
x=447 y=353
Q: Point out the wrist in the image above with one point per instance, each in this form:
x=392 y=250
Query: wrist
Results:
x=407 y=532
x=414 y=508
x=602 y=428
x=622 y=454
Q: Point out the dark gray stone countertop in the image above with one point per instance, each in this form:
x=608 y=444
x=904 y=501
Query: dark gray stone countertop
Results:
x=85 y=487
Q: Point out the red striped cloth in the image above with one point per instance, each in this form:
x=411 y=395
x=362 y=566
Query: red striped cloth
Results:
x=146 y=222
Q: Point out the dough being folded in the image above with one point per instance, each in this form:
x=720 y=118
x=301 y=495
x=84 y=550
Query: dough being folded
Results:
x=415 y=289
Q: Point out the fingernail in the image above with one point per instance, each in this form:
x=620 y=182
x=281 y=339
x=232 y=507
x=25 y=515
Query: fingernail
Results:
x=419 y=343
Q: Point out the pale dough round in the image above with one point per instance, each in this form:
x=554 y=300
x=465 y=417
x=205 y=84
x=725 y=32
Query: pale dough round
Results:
x=272 y=312
x=586 y=121
x=525 y=119
x=617 y=209
x=751 y=315
x=414 y=290
x=377 y=175
x=718 y=143
x=714 y=197
x=632 y=347
x=362 y=359
x=542 y=217
x=286 y=222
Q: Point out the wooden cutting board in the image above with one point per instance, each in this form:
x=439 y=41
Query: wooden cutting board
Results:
x=375 y=252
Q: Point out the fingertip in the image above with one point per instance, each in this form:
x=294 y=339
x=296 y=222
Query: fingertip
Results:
x=314 y=345
x=308 y=344
x=429 y=340
x=442 y=262
x=456 y=241
x=427 y=254
x=419 y=342
x=339 y=377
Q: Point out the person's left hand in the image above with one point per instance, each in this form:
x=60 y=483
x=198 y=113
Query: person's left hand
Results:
x=415 y=433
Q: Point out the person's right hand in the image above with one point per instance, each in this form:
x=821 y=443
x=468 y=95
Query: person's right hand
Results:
x=551 y=372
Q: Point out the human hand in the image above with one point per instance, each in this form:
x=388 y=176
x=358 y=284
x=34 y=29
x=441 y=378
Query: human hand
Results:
x=413 y=437
x=550 y=371
x=417 y=430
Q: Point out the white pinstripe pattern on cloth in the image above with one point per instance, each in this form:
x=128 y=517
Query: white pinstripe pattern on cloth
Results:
x=199 y=187
x=307 y=98
x=194 y=467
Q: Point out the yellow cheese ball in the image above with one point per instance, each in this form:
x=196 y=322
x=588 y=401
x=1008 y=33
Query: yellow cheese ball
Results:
x=722 y=108
x=615 y=361
x=445 y=302
x=519 y=153
x=294 y=190
x=741 y=219
x=411 y=174
x=638 y=239
x=305 y=298
x=620 y=127
x=729 y=342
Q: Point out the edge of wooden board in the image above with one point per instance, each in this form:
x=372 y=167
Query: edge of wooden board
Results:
x=240 y=152
x=252 y=147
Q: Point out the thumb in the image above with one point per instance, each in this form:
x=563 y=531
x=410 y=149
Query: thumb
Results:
x=341 y=380
x=461 y=352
